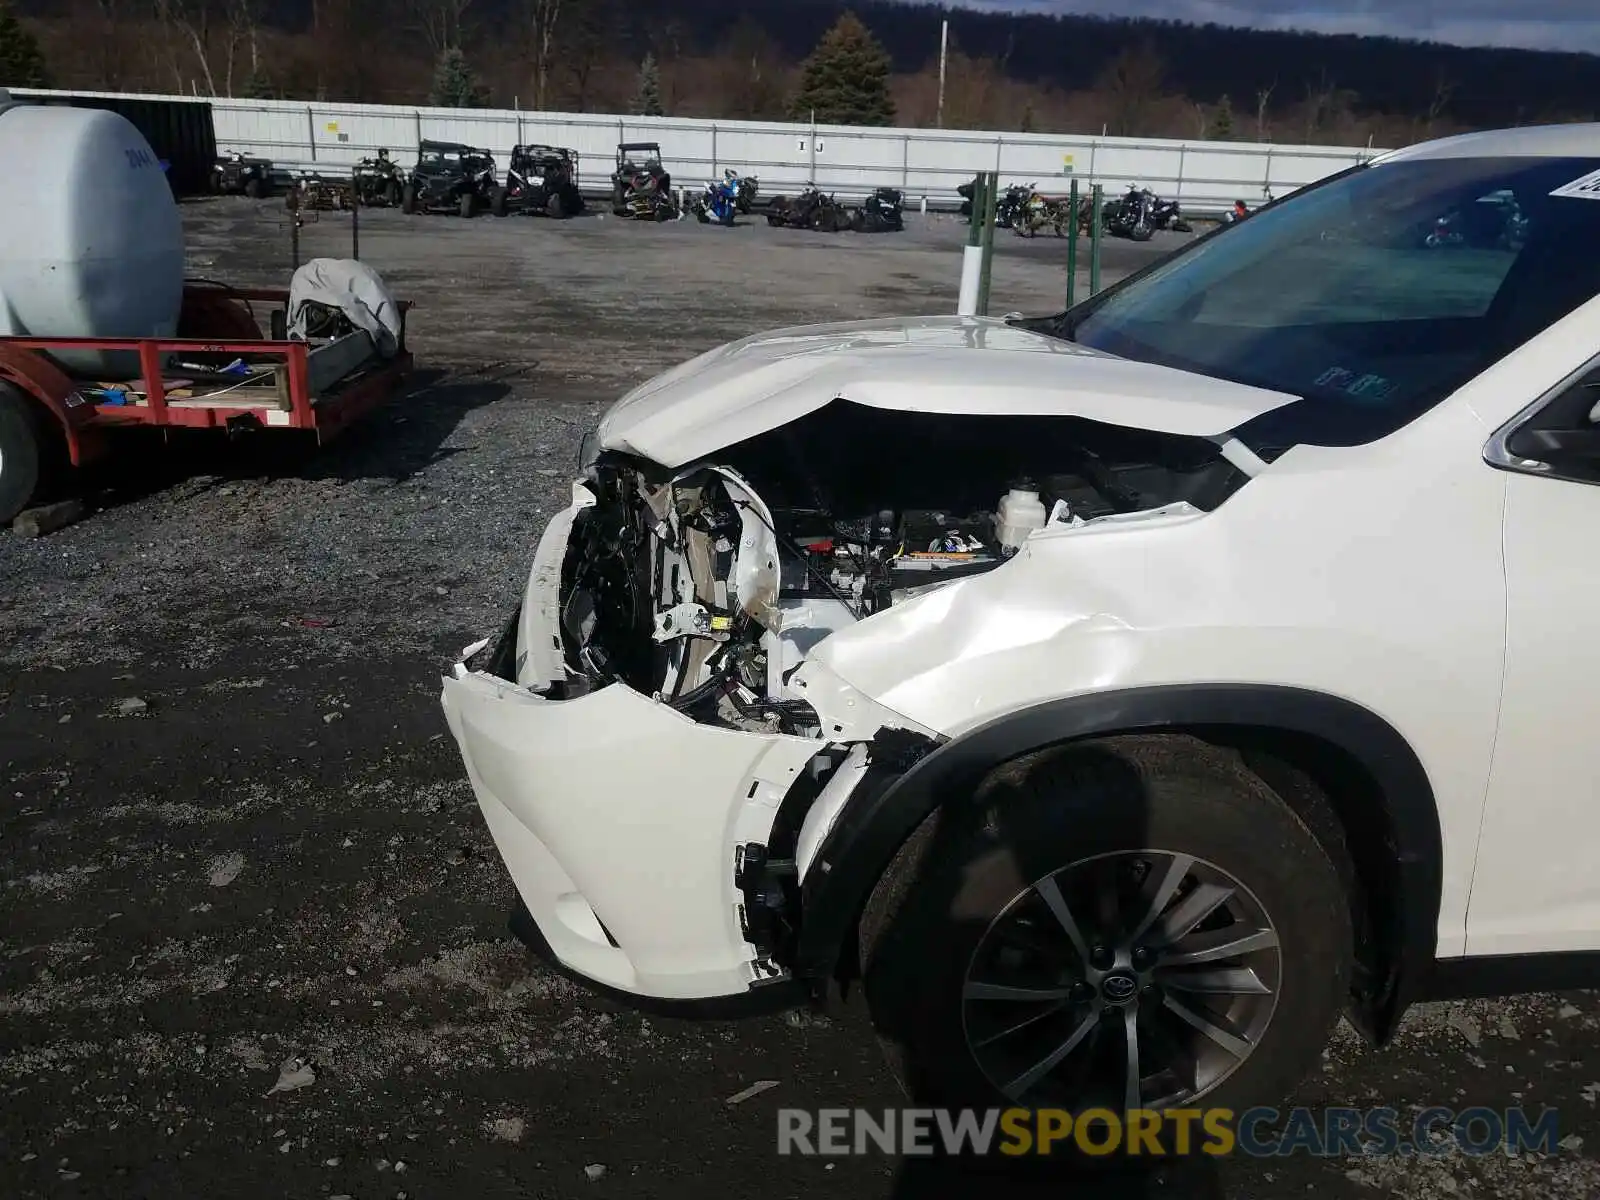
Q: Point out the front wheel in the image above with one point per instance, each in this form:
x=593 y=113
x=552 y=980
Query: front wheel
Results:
x=408 y=199
x=1134 y=923
x=497 y=202
x=21 y=460
x=468 y=204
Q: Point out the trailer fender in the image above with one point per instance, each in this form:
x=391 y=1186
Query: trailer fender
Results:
x=49 y=387
x=210 y=312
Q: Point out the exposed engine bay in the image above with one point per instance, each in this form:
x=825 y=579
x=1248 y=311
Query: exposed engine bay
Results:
x=708 y=586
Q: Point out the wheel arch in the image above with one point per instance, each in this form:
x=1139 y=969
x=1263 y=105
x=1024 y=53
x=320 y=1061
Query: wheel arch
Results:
x=45 y=389
x=1365 y=769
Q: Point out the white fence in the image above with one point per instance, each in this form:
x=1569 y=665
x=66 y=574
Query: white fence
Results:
x=848 y=160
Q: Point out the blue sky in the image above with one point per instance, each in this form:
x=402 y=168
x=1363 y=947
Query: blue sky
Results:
x=1538 y=24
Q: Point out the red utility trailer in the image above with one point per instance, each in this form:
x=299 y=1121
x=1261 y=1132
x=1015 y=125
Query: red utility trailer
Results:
x=220 y=372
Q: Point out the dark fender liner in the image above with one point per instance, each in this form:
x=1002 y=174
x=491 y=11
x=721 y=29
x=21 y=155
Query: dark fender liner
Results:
x=871 y=831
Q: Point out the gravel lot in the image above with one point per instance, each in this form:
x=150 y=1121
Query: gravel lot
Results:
x=236 y=831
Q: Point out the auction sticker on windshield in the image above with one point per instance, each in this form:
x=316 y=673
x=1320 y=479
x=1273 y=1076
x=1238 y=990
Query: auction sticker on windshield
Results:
x=1586 y=188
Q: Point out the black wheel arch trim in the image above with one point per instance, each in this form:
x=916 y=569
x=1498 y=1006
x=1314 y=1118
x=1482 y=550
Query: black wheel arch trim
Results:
x=874 y=826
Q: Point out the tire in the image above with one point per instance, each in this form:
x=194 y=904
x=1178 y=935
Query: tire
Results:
x=1099 y=806
x=1140 y=232
x=468 y=204
x=22 y=458
x=555 y=207
x=497 y=202
x=253 y=188
x=408 y=199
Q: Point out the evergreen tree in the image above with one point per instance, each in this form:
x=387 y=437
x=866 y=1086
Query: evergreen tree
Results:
x=453 y=82
x=21 y=60
x=845 y=81
x=1028 y=121
x=1222 y=121
x=647 y=96
x=259 y=87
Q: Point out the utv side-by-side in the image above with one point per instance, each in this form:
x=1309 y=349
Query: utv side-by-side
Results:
x=638 y=163
x=543 y=179
x=453 y=177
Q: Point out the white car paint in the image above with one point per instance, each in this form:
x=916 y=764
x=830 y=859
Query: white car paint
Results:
x=928 y=364
x=1407 y=575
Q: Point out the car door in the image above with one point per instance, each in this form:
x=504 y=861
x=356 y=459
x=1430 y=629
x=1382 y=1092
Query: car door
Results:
x=1537 y=883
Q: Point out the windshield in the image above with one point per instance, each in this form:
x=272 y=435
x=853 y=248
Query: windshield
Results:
x=1371 y=296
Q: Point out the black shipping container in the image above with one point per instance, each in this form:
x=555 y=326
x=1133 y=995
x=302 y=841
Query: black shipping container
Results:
x=179 y=131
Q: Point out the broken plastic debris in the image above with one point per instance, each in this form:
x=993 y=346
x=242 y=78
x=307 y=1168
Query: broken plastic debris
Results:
x=132 y=706
x=594 y=1171
x=225 y=870
x=507 y=1129
x=755 y=1089
x=295 y=1073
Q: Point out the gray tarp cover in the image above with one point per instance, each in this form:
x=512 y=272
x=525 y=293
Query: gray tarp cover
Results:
x=352 y=287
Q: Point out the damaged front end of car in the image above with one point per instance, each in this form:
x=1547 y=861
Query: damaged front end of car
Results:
x=657 y=751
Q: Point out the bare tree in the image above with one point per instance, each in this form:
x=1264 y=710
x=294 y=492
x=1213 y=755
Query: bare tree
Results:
x=244 y=32
x=190 y=21
x=1132 y=84
x=1319 y=104
x=440 y=22
x=1443 y=89
x=1263 y=100
x=540 y=19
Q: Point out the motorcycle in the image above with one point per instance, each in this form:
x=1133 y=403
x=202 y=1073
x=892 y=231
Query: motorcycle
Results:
x=745 y=188
x=718 y=202
x=811 y=209
x=879 y=213
x=1007 y=210
x=1494 y=222
x=1140 y=213
x=645 y=199
x=1041 y=212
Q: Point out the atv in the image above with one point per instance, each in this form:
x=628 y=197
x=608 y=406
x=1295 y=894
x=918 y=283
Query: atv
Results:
x=235 y=174
x=452 y=177
x=379 y=181
x=637 y=162
x=543 y=179
x=811 y=209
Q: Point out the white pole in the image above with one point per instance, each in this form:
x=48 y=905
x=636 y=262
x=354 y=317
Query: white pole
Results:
x=944 y=42
x=971 y=273
x=813 y=180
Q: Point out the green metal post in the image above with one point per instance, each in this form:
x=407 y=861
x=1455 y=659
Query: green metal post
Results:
x=1094 y=242
x=979 y=204
x=1072 y=247
x=991 y=201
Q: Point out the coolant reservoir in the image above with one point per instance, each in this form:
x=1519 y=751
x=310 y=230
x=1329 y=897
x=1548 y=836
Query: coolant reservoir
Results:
x=1020 y=513
x=91 y=243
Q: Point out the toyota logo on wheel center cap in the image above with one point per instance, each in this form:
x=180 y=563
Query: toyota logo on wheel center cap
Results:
x=1119 y=989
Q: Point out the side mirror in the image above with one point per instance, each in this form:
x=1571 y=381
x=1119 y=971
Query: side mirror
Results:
x=1558 y=447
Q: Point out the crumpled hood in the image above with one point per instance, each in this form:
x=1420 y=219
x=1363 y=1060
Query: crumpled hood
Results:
x=958 y=365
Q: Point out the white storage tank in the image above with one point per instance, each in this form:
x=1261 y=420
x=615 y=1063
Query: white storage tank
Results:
x=91 y=243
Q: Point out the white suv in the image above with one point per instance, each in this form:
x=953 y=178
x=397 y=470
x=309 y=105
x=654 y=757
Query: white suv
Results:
x=1118 y=696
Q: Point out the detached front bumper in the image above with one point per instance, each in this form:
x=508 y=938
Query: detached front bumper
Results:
x=621 y=823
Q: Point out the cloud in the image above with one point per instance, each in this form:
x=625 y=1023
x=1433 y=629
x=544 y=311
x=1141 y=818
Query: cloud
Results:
x=1535 y=24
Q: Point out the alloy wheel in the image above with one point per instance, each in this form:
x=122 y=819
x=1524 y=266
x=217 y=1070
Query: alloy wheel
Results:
x=1137 y=979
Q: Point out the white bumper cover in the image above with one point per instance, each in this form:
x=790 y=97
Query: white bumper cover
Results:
x=614 y=810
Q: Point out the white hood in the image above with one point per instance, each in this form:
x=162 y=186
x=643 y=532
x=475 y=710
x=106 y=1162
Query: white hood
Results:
x=957 y=365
